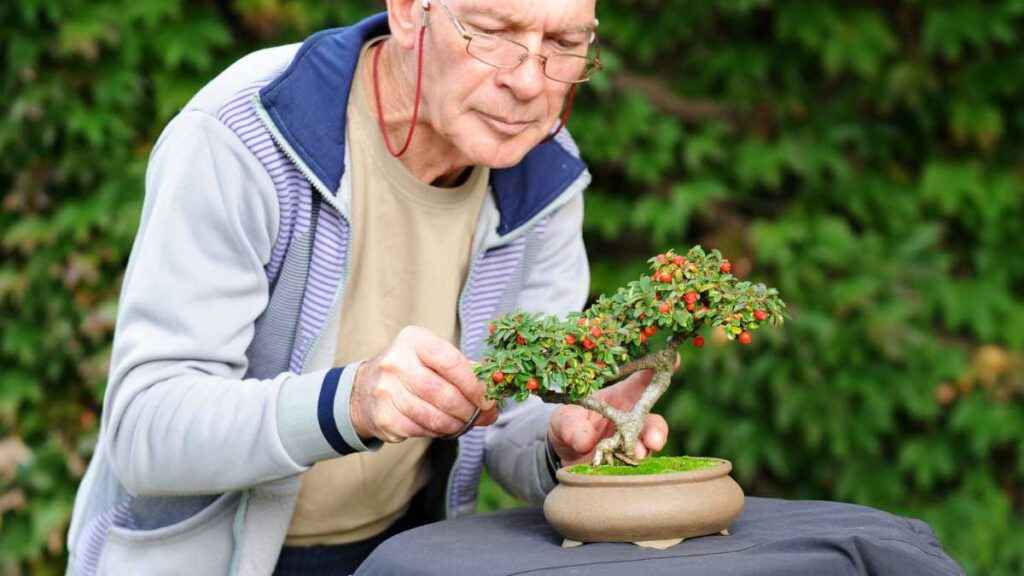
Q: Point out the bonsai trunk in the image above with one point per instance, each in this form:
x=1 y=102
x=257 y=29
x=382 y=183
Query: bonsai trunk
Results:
x=628 y=424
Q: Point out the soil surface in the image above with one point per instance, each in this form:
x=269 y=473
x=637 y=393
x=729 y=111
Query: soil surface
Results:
x=654 y=465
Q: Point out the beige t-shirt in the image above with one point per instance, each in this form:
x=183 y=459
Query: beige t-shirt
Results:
x=410 y=254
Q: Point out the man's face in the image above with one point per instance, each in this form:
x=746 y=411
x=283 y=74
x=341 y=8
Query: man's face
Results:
x=495 y=116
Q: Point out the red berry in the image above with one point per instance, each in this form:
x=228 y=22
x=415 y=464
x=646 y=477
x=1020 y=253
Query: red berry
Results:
x=532 y=384
x=662 y=259
x=643 y=337
x=698 y=341
x=498 y=376
x=520 y=340
x=745 y=338
x=678 y=260
x=760 y=315
x=690 y=306
x=581 y=322
x=650 y=330
x=491 y=327
x=589 y=344
x=691 y=297
x=87 y=419
x=595 y=332
x=570 y=339
x=726 y=267
x=642 y=316
x=664 y=277
x=600 y=364
x=665 y=308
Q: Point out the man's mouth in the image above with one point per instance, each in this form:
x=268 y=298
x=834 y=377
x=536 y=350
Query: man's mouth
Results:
x=505 y=126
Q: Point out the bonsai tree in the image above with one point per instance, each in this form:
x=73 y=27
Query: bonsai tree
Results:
x=641 y=326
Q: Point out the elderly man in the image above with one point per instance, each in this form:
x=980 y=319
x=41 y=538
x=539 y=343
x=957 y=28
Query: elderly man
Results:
x=327 y=230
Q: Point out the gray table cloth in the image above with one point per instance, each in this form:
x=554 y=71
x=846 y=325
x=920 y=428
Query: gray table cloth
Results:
x=798 y=538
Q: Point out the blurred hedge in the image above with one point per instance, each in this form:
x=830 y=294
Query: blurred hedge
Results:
x=866 y=158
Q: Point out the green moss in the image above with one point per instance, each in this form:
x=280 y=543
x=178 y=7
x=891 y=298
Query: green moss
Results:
x=655 y=465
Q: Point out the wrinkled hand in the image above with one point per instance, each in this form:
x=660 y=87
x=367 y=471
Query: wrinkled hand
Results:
x=420 y=387
x=574 y=431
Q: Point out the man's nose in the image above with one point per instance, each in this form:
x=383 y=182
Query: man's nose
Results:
x=526 y=81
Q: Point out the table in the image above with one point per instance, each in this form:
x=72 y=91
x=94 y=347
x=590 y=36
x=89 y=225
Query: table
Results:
x=771 y=536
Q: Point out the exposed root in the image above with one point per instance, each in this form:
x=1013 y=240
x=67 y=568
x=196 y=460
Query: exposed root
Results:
x=626 y=459
x=605 y=451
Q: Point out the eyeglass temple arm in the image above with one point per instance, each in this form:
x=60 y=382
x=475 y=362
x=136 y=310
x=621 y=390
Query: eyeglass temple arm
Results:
x=455 y=21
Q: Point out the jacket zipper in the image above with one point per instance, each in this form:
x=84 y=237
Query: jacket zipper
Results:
x=289 y=153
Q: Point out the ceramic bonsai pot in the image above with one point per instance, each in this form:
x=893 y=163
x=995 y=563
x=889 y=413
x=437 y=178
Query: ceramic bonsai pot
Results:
x=656 y=510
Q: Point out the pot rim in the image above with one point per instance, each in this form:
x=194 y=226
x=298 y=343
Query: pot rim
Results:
x=721 y=469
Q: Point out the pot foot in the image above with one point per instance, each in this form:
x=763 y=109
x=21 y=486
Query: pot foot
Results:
x=724 y=532
x=660 y=544
x=570 y=543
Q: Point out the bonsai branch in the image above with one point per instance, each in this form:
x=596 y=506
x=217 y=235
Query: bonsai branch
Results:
x=592 y=402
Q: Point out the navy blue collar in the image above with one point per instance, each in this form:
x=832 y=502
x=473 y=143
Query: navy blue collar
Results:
x=308 y=101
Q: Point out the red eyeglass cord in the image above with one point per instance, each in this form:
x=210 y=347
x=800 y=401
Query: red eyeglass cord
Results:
x=416 y=104
x=562 y=120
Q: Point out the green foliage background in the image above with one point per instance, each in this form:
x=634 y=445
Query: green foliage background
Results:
x=864 y=158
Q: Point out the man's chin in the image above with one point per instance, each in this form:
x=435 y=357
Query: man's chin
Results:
x=506 y=152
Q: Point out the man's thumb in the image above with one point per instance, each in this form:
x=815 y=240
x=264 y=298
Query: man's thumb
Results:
x=584 y=437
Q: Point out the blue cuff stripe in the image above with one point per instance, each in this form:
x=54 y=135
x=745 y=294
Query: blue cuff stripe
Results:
x=325 y=412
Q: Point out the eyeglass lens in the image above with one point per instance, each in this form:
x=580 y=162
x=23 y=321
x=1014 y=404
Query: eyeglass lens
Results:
x=506 y=54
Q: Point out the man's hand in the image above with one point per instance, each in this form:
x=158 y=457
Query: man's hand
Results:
x=575 y=431
x=421 y=386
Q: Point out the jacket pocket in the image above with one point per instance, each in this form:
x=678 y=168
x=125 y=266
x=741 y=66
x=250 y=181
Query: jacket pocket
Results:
x=199 y=545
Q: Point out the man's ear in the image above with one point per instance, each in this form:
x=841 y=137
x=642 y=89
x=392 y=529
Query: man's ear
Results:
x=405 y=18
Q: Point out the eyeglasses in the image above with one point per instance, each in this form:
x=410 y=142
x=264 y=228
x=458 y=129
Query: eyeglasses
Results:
x=508 y=54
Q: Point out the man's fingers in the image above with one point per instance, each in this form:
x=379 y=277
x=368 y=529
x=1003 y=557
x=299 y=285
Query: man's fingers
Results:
x=655 y=432
x=394 y=426
x=428 y=417
x=487 y=417
x=641 y=450
x=449 y=363
x=576 y=424
x=582 y=437
x=652 y=437
x=431 y=387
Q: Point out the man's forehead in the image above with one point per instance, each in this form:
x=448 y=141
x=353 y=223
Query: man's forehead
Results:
x=573 y=14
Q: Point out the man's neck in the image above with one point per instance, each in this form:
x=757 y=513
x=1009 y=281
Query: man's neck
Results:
x=430 y=157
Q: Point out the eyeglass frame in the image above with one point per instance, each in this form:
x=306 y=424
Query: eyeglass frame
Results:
x=468 y=36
